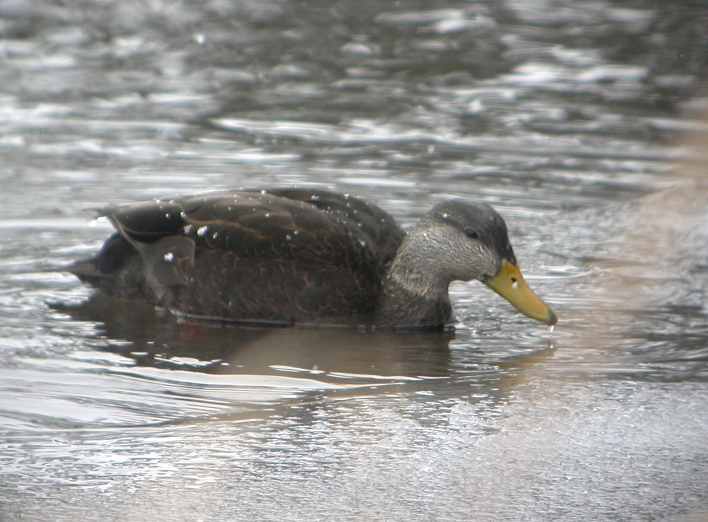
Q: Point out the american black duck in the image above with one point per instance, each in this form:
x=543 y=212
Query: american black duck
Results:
x=294 y=256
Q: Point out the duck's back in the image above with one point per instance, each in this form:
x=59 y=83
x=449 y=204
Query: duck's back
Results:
x=284 y=255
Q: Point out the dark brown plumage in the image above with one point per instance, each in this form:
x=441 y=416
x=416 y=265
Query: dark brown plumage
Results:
x=294 y=256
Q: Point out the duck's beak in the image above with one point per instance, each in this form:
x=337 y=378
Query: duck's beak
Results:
x=510 y=284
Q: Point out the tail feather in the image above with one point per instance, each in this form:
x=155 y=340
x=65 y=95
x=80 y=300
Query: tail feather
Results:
x=117 y=270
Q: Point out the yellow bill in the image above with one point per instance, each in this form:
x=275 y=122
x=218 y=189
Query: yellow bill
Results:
x=510 y=284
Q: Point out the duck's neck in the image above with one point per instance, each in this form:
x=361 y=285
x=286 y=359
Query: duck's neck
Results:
x=415 y=290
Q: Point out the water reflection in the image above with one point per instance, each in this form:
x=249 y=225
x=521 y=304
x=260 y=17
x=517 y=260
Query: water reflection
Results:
x=166 y=342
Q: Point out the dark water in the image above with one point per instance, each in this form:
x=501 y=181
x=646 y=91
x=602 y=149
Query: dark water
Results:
x=580 y=121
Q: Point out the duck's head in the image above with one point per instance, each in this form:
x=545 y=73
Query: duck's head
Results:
x=470 y=241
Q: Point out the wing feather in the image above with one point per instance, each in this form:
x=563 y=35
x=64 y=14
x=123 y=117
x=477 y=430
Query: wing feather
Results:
x=295 y=225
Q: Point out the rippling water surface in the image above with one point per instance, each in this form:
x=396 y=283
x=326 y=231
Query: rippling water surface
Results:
x=579 y=121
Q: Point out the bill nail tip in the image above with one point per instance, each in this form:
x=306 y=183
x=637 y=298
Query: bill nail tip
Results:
x=552 y=318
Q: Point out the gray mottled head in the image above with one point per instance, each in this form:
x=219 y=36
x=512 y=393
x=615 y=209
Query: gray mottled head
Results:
x=457 y=240
x=466 y=240
x=476 y=221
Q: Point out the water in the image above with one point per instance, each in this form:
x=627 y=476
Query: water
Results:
x=577 y=120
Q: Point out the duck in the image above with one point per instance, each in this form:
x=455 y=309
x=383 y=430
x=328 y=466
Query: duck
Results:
x=304 y=257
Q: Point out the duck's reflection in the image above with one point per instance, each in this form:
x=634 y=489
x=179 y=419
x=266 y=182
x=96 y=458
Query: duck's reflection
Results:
x=161 y=340
x=416 y=364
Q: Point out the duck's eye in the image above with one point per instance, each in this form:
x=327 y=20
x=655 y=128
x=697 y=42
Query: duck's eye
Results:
x=471 y=233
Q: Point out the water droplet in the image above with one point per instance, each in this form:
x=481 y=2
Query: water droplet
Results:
x=188 y=229
x=201 y=231
x=169 y=257
x=288 y=237
x=183 y=215
x=550 y=328
x=215 y=235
